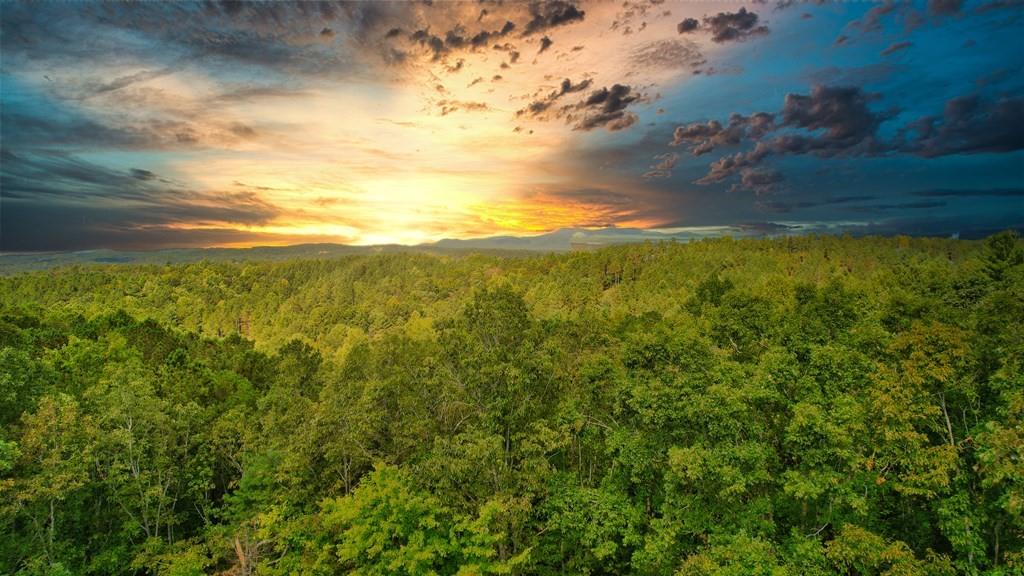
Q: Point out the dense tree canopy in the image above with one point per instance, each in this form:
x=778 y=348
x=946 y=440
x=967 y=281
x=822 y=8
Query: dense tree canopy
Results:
x=800 y=406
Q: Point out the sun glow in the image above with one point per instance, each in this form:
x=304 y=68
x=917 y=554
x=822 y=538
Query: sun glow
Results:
x=444 y=152
x=415 y=151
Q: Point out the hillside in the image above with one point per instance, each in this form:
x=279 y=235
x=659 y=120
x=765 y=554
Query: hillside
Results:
x=562 y=240
x=792 y=406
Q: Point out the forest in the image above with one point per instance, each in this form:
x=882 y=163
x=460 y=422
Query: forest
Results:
x=820 y=406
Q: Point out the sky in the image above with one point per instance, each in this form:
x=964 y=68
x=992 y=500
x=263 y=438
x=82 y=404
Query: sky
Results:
x=176 y=124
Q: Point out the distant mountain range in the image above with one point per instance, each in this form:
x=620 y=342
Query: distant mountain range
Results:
x=583 y=239
x=560 y=240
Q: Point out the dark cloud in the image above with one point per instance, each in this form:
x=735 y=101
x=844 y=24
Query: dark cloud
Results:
x=896 y=47
x=662 y=168
x=602 y=108
x=830 y=121
x=760 y=182
x=227 y=47
x=968 y=125
x=895 y=11
x=838 y=121
x=726 y=166
x=547 y=15
x=734 y=26
x=42 y=125
x=434 y=43
x=705 y=137
x=688 y=25
x=483 y=38
x=55 y=201
x=538 y=107
x=725 y=26
x=999 y=5
x=513 y=54
x=872 y=20
x=140 y=174
x=607 y=108
x=841 y=112
x=455 y=39
x=130 y=79
x=567 y=87
x=285 y=37
x=32 y=227
x=545 y=43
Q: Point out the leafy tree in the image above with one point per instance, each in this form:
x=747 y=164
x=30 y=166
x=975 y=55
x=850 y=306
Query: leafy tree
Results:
x=386 y=527
x=811 y=406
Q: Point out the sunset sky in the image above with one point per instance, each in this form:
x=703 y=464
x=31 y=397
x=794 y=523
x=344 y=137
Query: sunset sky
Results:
x=160 y=124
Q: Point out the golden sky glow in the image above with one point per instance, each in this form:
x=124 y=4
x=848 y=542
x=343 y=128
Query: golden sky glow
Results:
x=203 y=123
x=416 y=151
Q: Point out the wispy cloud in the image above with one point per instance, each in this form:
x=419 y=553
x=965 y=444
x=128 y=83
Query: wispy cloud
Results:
x=411 y=121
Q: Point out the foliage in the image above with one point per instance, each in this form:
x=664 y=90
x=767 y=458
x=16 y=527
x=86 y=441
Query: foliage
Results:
x=801 y=406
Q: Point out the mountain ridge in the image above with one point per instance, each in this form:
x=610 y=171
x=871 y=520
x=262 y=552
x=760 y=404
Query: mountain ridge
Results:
x=558 y=240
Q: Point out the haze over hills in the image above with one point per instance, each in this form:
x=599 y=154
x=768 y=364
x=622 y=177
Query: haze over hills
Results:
x=561 y=240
